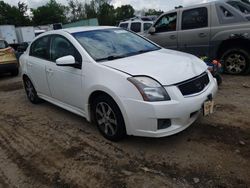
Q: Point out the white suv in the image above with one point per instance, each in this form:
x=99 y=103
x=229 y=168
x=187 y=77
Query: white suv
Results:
x=121 y=81
x=136 y=25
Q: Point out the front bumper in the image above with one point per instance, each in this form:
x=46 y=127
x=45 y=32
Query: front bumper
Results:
x=142 y=117
x=8 y=66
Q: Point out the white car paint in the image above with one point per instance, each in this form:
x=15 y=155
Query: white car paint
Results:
x=71 y=88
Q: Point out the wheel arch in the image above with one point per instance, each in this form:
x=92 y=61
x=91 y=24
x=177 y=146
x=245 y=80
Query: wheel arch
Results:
x=232 y=43
x=95 y=93
x=25 y=76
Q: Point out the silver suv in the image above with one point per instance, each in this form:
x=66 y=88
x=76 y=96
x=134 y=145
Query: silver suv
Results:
x=218 y=30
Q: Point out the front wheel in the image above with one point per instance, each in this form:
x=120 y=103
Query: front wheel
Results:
x=236 y=61
x=108 y=118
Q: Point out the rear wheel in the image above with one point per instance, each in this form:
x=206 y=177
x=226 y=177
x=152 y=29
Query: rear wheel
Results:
x=108 y=118
x=31 y=91
x=236 y=61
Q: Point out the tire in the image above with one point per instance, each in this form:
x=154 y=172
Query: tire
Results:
x=15 y=72
x=31 y=91
x=108 y=118
x=236 y=61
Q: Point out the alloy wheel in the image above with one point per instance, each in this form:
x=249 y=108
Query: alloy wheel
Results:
x=106 y=119
x=235 y=63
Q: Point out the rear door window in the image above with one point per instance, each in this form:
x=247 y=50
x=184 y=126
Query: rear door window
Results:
x=146 y=26
x=124 y=25
x=195 y=18
x=136 y=27
x=225 y=12
x=40 y=48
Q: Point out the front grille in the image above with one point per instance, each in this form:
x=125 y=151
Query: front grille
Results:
x=194 y=85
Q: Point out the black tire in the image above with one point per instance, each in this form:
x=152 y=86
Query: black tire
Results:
x=111 y=125
x=15 y=72
x=236 y=61
x=31 y=91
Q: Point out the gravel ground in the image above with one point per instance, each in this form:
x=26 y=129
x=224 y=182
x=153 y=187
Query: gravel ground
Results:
x=45 y=146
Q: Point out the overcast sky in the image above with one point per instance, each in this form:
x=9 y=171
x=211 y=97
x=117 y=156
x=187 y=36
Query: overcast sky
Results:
x=137 y=4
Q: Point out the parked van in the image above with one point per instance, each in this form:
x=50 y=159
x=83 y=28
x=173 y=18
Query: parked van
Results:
x=138 y=25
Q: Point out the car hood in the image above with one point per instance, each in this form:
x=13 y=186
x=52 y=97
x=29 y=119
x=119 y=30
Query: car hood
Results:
x=167 y=66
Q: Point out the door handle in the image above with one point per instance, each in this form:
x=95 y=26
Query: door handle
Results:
x=173 y=37
x=202 y=35
x=29 y=65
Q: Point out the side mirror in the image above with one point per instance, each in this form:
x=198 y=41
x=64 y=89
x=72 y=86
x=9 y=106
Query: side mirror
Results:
x=152 y=30
x=68 y=60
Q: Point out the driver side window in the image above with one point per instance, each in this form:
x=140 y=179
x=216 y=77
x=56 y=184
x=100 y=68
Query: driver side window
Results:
x=61 y=47
x=166 y=23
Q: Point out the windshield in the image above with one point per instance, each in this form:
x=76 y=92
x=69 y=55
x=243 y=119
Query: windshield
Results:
x=3 y=44
x=110 y=44
x=242 y=7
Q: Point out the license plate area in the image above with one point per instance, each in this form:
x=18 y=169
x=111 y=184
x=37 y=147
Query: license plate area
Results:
x=208 y=107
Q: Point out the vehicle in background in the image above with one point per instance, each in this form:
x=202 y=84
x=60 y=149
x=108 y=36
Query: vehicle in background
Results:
x=219 y=30
x=137 y=25
x=21 y=49
x=39 y=31
x=48 y=27
x=8 y=61
x=8 y=33
x=25 y=34
x=118 y=80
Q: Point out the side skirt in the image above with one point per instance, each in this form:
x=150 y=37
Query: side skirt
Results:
x=70 y=108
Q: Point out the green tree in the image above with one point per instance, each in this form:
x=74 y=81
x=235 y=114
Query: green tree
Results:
x=14 y=15
x=90 y=9
x=124 y=12
x=106 y=14
x=153 y=12
x=76 y=10
x=50 y=13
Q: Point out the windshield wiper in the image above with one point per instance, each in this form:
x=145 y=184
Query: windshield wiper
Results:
x=110 y=58
x=144 y=51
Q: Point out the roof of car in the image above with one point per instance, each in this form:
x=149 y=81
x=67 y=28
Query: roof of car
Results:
x=86 y=28
x=201 y=3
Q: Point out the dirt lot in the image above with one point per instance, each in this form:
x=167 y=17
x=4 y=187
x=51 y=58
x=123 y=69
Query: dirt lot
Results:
x=45 y=146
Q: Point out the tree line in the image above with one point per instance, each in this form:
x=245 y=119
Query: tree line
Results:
x=54 y=12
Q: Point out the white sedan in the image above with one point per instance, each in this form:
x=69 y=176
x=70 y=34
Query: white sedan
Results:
x=123 y=82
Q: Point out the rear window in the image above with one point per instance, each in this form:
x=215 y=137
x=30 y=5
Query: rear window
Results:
x=3 y=44
x=136 y=27
x=147 y=26
x=124 y=25
x=242 y=7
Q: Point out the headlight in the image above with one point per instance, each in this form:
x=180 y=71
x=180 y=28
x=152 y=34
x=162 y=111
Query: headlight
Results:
x=150 y=89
